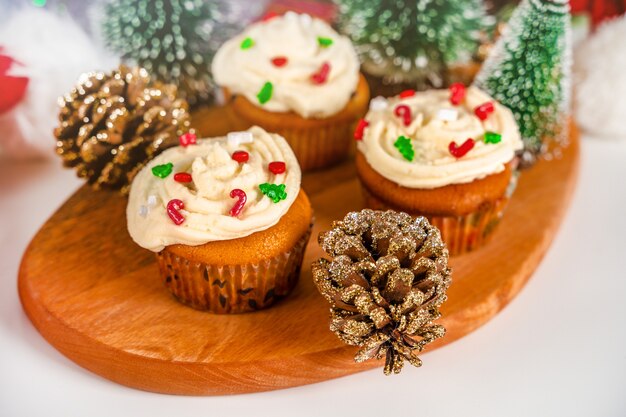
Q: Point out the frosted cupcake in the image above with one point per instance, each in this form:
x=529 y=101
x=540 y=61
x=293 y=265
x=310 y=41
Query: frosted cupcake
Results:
x=294 y=75
x=226 y=218
x=448 y=155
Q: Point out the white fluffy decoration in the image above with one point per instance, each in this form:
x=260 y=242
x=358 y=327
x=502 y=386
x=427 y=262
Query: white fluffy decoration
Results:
x=600 y=76
x=54 y=51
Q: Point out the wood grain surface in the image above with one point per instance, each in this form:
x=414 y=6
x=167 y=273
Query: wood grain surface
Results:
x=98 y=298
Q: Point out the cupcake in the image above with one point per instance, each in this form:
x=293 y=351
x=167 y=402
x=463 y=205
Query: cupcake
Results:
x=294 y=75
x=226 y=218
x=448 y=155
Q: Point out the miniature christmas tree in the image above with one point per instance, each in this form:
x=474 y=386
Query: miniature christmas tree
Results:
x=412 y=42
x=174 y=40
x=529 y=71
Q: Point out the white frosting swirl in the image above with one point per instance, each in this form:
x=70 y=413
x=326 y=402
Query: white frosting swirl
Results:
x=207 y=198
x=435 y=123
x=295 y=37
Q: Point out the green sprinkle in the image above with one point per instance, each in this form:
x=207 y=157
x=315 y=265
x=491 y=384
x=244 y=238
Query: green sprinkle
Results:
x=403 y=144
x=247 y=43
x=324 y=42
x=266 y=93
x=275 y=192
x=492 y=137
x=162 y=171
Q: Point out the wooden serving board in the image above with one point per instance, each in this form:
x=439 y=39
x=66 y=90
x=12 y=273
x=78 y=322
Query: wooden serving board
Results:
x=98 y=298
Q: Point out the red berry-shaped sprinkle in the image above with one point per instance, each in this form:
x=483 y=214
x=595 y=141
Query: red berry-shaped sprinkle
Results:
x=321 y=75
x=279 y=61
x=484 y=110
x=277 y=167
x=457 y=93
x=360 y=128
x=407 y=93
x=187 y=139
x=182 y=177
x=241 y=197
x=173 y=210
x=404 y=112
x=269 y=16
x=240 y=156
x=460 y=151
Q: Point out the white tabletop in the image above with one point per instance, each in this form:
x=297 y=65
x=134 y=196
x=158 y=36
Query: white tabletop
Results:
x=559 y=349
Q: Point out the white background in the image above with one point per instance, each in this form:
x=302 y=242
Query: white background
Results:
x=559 y=349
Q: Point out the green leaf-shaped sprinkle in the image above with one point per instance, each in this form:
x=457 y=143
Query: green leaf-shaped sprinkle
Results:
x=492 y=137
x=275 y=192
x=265 y=94
x=403 y=144
x=324 y=42
x=162 y=171
x=247 y=43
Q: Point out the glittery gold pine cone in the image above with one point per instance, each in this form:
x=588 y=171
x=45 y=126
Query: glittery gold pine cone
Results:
x=386 y=279
x=111 y=125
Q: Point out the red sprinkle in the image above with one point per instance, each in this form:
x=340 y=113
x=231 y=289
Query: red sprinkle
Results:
x=407 y=93
x=279 y=61
x=269 y=16
x=240 y=156
x=484 y=110
x=173 y=208
x=460 y=151
x=405 y=112
x=187 y=139
x=321 y=75
x=360 y=128
x=241 y=197
x=277 y=167
x=457 y=93
x=182 y=177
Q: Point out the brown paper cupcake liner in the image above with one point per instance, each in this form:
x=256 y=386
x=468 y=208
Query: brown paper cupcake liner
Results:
x=460 y=233
x=315 y=147
x=232 y=288
x=320 y=147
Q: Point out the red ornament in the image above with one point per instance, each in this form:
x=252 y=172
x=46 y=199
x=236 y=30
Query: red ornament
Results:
x=182 y=177
x=407 y=93
x=187 y=139
x=484 y=110
x=360 y=128
x=279 y=61
x=241 y=197
x=457 y=93
x=460 y=151
x=277 y=167
x=240 y=156
x=598 y=10
x=321 y=75
x=13 y=88
x=173 y=210
x=405 y=112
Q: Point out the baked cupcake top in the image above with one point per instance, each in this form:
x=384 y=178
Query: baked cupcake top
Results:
x=213 y=189
x=435 y=138
x=290 y=63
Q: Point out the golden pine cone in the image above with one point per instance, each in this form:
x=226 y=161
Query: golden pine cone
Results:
x=111 y=125
x=386 y=279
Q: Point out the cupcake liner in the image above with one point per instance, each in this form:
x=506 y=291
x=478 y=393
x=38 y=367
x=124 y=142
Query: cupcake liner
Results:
x=224 y=289
x=320 y=147
x=460 y=233
x=317 y=145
